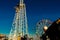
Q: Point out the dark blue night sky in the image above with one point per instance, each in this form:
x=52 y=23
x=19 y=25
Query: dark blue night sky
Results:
x=36 y=10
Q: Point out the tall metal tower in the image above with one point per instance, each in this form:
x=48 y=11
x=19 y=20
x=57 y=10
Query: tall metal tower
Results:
x=20 y=27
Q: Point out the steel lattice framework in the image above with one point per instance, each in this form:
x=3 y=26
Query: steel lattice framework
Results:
x=20 y=27
x=41 y=24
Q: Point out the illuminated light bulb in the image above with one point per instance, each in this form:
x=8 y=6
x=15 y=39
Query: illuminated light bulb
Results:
x=45 y=28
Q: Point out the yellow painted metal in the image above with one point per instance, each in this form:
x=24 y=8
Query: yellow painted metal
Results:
x=19 y=38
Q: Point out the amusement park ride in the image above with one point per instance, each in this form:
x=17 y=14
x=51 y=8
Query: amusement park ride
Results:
x=19 y=26
x=45 y=29
x=42 y=26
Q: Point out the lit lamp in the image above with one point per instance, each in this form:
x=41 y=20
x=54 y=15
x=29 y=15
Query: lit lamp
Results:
x=45 y=28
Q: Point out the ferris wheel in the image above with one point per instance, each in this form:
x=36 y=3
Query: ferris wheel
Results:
x=42 y=26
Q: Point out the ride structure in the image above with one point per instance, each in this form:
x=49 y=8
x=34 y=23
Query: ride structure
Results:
x=42 y=26
x=19 y=26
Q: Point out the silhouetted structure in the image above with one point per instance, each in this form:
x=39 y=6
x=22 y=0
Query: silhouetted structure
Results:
x=22 y=38
x=26 y=37
x=53 y=31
